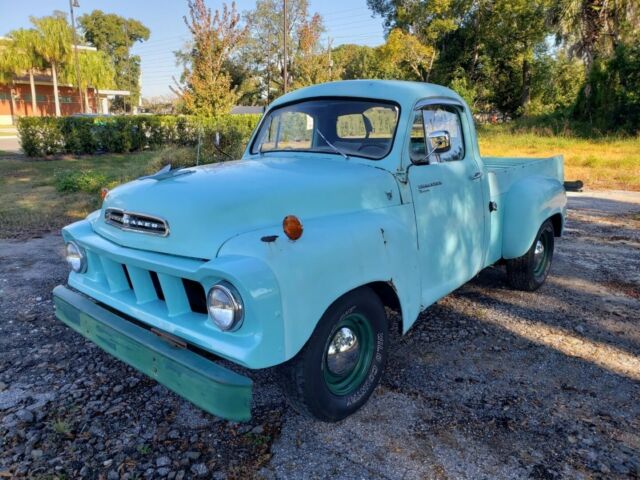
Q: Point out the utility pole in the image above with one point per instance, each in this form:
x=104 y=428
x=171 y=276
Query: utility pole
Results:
x=284 y=44
x=74 y=3
x=268 y=68
x=330 y=60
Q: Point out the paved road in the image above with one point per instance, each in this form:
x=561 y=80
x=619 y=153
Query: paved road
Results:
x=10 y=145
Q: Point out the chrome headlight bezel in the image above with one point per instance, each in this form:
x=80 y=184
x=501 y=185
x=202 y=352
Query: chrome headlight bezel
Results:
x=76 y=257
x=229 y=303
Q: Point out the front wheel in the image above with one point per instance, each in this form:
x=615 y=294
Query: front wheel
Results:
x=529 y=271
x=341 y=364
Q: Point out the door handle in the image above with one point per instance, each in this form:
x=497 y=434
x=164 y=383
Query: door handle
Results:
x=476 y=176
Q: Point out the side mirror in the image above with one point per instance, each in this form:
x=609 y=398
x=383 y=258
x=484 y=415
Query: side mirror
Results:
x=440 y=141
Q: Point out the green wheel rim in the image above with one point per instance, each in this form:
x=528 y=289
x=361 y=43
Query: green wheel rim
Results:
x=345 y=382
x=541 y=255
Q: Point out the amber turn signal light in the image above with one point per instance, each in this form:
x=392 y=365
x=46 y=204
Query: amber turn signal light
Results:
x=103 y=193
x=292 y=227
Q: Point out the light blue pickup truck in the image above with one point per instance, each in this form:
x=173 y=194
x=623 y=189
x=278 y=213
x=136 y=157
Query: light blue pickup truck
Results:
x=352 y=198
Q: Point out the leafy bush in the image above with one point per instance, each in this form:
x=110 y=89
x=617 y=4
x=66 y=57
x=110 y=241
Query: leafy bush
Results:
x=42 y=136
x=79 y=181
x=610 y=100
x=79 y=135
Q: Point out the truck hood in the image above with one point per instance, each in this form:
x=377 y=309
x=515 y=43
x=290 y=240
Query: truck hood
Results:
x=207 y=205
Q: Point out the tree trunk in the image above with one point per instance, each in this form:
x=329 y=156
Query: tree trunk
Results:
x=14 y=111
x=34 y=105
x=56 y=99
x=86 y=101
x=526 y=83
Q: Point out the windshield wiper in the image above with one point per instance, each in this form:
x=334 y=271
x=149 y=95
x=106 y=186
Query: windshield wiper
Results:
x=333 y=147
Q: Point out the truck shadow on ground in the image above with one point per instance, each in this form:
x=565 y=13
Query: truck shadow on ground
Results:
x=495 y=383
x=467 y=397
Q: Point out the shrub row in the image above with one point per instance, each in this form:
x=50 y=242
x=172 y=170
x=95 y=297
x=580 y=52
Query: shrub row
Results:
x=42 y=136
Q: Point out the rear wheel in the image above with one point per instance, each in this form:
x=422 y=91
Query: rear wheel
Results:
x=341 y=364
x=529 y=271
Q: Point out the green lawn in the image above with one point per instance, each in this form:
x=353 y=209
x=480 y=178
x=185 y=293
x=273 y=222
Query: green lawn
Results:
x=601 y=163
x=30 y=203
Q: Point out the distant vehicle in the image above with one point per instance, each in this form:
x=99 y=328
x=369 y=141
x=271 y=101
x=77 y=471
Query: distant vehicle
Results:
x=351 y=197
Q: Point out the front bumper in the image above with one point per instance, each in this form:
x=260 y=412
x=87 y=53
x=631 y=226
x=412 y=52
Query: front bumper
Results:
x=122 y=278
x=211 y=387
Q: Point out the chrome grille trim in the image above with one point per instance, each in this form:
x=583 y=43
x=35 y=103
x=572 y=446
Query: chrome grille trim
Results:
x=136 y=222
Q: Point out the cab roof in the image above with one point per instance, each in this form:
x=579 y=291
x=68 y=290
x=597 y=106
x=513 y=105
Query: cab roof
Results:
x=406 y=94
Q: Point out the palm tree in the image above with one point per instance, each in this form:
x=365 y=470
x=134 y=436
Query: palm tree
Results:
x=54 y=45
x=9 y=68
x=96 y=70
x=27 y=58
x=593 y=27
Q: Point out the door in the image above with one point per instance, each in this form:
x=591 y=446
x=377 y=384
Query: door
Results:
x=448 y=202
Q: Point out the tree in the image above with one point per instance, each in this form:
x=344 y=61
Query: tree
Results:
x=312 y=64
x=264 y=52
x=54 y=43
x=595 y=27
x=613 y=102
x=492 y=41
x=404 y=56
x=96 y=70
x=205 y=85
x=116 y=35
x=25 y=53
x=356 y=61
x=8 y=70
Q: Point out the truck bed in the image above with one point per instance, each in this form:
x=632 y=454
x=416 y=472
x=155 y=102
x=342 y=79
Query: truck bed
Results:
x=507 y=170
x=502 y=174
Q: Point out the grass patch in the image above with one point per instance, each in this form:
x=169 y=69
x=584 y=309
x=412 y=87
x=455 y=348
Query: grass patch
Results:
x=61 y=427
x=601 y=163
x=37 y=196
x=144 y=449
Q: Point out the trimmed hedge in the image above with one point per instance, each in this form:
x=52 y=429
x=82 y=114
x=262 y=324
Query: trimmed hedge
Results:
x=42 y=136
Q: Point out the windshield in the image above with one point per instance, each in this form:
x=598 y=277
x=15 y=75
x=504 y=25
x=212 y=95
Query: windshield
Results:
x=340 y=126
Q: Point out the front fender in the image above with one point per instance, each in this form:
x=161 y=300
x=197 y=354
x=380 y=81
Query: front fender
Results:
x=335 y=255
x=528 y=204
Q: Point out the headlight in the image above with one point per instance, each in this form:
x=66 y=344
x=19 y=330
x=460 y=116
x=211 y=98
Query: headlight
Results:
x=76 y=258
x=225 y=306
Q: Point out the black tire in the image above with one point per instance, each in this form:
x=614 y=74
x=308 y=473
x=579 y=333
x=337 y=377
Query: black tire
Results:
x=530 y=271
x=312 y=387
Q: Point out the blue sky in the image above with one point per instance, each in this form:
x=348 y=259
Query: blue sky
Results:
x=346 y=21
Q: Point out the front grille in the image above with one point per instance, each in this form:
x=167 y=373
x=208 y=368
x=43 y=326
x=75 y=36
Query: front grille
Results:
x=196 y=295
x=136 y=222
x=149 y=290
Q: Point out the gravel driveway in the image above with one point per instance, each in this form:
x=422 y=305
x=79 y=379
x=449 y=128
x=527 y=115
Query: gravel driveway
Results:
x=489 y=383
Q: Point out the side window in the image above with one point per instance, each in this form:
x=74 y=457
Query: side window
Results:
x=440 y=117
x=417 y=149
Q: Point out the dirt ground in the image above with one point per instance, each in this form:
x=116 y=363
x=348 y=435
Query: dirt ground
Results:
x=489 y=383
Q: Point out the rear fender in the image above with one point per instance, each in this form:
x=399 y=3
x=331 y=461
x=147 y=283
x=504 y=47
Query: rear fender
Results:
x=528 y=204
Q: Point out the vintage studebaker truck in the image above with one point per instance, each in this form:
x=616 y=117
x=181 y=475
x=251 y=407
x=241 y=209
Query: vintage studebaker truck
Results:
x=352 y=198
